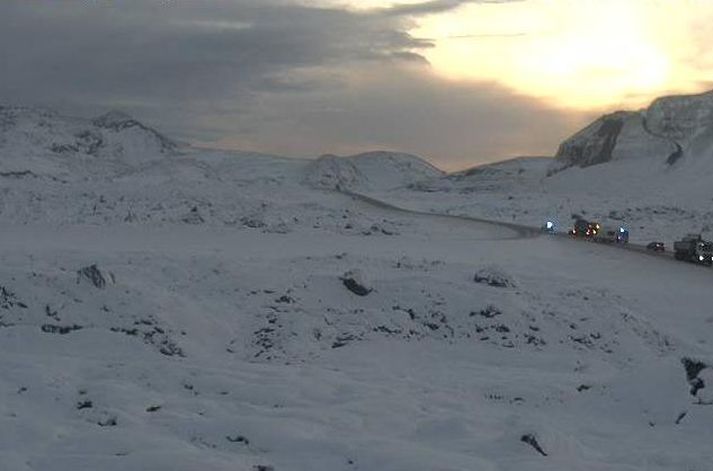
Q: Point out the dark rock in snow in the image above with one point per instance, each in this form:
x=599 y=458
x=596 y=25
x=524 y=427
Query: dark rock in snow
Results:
x=60 y=329
x=110 y=421
x=94 y=275
x=84 y=405
x=237 y=439
x=598 y=146
x=494 y=276
x=343 y=340
x=532 y=441
x=8 y=299
x=680 y=417
x=355 y=282
x=488 y=312
x=193 y=217
x=693 y=368
x=50 y=313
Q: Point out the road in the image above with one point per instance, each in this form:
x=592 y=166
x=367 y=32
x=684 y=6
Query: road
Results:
x=523 y=231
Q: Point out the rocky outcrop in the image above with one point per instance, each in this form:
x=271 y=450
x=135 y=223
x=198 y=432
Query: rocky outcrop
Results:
x=118 y=121
x=355 y=282
x=494 y=276
x=95 y=276
x=671 y=130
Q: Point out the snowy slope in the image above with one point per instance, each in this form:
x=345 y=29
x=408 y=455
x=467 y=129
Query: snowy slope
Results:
x=36 y=141
x=211 y=348
x=370 y=171
x=649 y=171
x=675 y=131
x=214 y=310
x=653 y=204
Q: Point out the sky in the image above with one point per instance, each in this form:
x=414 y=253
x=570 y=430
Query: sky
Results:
x=458 y=82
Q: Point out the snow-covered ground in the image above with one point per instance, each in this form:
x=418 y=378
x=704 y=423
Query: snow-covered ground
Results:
x=648 y=170
x=653 y=204
x=213 y=310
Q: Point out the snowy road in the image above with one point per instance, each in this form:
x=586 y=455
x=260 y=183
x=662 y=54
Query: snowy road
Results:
x=522 y=231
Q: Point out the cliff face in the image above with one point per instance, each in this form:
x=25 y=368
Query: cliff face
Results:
x=672 y=130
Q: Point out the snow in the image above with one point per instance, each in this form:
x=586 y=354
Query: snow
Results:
x=224 y=337
x=370 y=171
x=675 y=131
x=653 y=203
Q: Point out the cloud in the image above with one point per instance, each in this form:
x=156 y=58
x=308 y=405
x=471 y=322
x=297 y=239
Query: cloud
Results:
x=268 y=75
x=188 y=50
x=405 y=107
x=431 y=7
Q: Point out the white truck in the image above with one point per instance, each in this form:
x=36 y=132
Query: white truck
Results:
x=692 y=248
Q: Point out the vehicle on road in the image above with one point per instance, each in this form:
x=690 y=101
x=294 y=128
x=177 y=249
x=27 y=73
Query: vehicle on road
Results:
x=584 y=228
x=656 y=246
x=597 y=232
x=549 y=227
x=611 y=235
x=692 y=248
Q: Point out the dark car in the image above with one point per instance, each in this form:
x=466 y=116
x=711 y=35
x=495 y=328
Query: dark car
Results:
x=656 y=246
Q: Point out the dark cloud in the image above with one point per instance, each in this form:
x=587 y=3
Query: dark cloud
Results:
x=189 y=50
x=431 y=7
x=266 y=74
x=404 y=107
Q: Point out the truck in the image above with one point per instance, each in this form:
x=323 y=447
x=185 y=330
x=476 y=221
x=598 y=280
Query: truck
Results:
x=611 y=235
x=692 y=248
x=584 y=228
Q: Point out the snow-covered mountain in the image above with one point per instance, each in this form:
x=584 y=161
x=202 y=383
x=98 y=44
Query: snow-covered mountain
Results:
x=44 y=142
x=114 y=170
x=673 y=131
x=369 y=171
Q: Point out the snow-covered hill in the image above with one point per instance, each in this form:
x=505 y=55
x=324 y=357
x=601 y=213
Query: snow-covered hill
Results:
x=371 y=171
x=648 y=170
x=675 y=131
x=40 y=142
x=226 y=311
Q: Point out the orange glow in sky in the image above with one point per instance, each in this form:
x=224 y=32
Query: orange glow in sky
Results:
x=579 y=54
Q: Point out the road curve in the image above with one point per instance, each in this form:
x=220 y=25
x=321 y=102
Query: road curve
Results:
x=521 y=230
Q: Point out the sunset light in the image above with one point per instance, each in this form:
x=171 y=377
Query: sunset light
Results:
x=580 y=54
x=576 y=54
